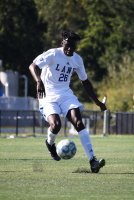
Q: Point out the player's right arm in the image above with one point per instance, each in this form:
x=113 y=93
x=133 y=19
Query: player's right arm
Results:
x=39 y=63
x=35 y=71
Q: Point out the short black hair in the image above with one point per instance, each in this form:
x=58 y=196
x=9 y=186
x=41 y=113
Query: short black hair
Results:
x=70 y=34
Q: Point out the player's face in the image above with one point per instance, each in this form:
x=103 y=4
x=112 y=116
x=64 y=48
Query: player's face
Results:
x=69 y=46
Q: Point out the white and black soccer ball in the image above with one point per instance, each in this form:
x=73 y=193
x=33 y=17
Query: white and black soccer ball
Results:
x=66 y=149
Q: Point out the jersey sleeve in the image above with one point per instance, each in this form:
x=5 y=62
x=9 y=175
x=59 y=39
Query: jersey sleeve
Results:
x=45 y=58
x=80 y=70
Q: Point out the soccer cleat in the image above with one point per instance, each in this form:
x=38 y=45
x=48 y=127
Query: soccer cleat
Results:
x=96 y=164
x=52 y=150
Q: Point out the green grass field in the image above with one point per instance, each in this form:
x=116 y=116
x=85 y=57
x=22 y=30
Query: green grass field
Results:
x=27 y=171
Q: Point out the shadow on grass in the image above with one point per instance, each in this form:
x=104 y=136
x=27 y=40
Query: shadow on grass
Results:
x=8 y=171
x=88 y=171
x=82 y=171
x=25 y=159
x=119 y=173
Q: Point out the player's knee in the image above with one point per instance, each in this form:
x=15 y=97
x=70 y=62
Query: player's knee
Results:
x=79 y=125
x=55 y=127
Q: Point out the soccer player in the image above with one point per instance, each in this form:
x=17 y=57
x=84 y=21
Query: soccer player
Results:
x=56 y=97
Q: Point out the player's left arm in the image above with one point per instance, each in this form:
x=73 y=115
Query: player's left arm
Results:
x=90 y=91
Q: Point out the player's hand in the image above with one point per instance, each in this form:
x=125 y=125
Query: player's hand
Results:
x=40 y=89
x=103 y=106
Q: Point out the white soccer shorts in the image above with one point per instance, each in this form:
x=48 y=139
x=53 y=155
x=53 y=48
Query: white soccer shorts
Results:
x=59 y=105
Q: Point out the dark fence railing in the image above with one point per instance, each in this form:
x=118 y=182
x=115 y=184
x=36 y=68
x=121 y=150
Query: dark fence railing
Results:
x=124 y=123
x=25 y=123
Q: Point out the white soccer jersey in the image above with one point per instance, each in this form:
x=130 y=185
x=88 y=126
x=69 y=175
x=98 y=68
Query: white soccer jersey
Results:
x=57 y=69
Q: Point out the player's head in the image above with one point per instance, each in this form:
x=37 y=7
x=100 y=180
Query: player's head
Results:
x=69 y=42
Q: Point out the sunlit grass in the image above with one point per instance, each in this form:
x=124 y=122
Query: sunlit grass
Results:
x=28 y=172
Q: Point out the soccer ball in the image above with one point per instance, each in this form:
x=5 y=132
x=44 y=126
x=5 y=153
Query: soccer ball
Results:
x=66 y=149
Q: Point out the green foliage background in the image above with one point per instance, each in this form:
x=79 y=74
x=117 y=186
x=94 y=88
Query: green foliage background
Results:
x=27 y=28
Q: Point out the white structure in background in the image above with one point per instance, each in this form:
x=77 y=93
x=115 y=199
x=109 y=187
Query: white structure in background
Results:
x=0 y=65
x=106 y=118
x=18 y=103
x=6 y=90
x=26 y=84
x=9 y=86
x=106 y=122
x=9 y=83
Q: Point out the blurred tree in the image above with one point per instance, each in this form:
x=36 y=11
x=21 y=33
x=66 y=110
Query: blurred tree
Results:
x=108 y=36
x=68 y=14
x=107 y=28
x=119 y=84
x=119 y=41
x=21 y=36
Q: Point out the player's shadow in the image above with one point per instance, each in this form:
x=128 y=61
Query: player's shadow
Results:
x=81 y=171
x=88 y=171
x=25 y=159
x=9 y=171
x=118 y=173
